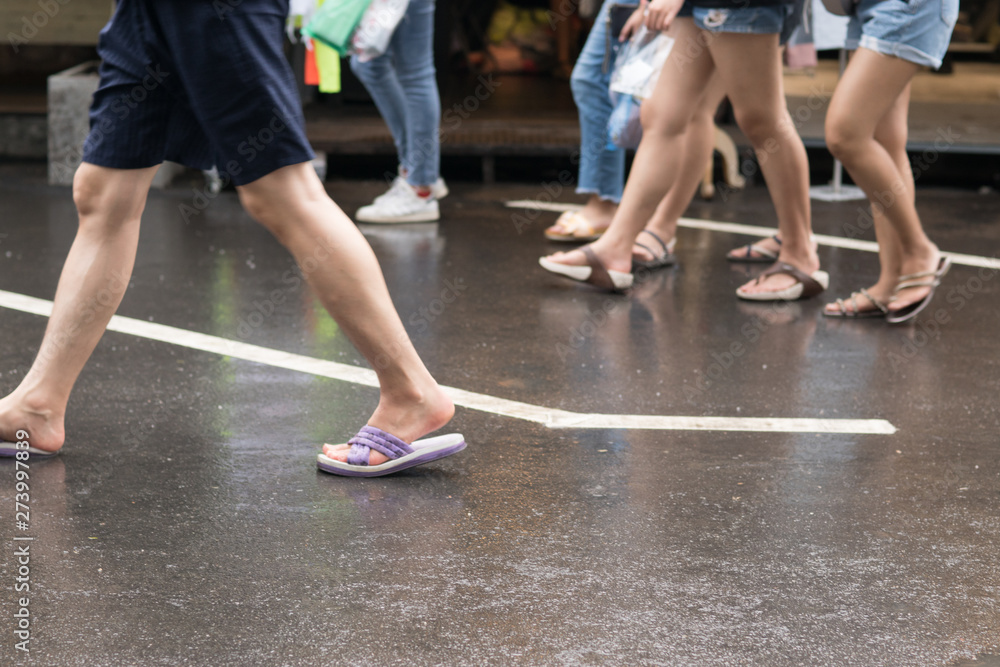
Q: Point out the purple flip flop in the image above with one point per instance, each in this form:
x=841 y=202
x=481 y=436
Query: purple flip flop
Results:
x=9 y=450
x=401 y=455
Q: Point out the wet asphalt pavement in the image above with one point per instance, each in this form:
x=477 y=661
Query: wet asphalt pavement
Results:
x=185 y=522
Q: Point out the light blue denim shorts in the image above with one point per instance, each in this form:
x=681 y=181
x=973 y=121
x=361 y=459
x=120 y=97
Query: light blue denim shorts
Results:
x=750 y=20
x=914 y=30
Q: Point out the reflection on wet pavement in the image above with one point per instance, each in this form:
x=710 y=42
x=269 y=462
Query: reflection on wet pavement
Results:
x=186 y=523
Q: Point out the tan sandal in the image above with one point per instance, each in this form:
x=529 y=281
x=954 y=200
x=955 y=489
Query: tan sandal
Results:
x=573 y=227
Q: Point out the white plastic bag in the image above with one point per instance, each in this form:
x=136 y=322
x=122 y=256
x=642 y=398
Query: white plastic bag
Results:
x=299 y=13
x=379 y=22
x=624 y=124
x=639 y=63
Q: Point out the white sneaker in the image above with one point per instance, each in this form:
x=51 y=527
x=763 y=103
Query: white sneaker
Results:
x=439 y=190
x=403 y=206
x=394 y=189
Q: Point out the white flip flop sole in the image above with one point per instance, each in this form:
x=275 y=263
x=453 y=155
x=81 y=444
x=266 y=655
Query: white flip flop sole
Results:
x=9 y=450
x=789 y=293
x=621 y=280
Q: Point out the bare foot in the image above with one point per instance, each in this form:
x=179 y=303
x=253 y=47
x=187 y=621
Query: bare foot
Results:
x=45 y=427
x=770 y=246
x=779 y=281
x=586 y=224
x=927 y=263
x=764 y=249
x=407 y=419
x=577 y=258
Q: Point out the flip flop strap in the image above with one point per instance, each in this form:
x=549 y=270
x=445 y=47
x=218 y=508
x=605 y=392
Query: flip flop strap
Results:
x=916 y=283
x=645 y=247
x=878 y=304
x=777 y=239
x=598 y=274
x=810 y=287
x=915 y=276
x=763 y=252
x=369 y=438
x=666 y=250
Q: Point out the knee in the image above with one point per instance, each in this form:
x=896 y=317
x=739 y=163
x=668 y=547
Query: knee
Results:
x=279 y=210
x=106 y=202
x=841 y=138
x=259 y=207
x=88 y=192
x=758 y=126
x=585 y=90
x=370 y=71
x=657 y=120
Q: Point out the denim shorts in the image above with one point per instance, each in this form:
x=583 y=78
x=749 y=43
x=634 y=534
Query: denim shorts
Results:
x=766 y=20
x=914 y=30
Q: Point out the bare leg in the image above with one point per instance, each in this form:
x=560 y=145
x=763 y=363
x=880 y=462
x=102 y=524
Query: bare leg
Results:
x=342 y=269
x=699 y=143
x=92 y=284
x=750 y=66
x=891 y=134
x=665 y=118
x=871 y=86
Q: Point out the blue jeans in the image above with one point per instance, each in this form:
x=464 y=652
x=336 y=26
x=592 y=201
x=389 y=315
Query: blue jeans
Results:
x=602 y=171
x=402 y=84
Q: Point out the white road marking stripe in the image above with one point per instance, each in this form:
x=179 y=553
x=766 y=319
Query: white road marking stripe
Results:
x=498 y=406
x=753 y=230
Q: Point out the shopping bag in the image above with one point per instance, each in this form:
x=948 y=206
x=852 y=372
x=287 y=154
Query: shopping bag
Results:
x=624 y=124
x=639 y=63
x=335 y=22
x=379 y=22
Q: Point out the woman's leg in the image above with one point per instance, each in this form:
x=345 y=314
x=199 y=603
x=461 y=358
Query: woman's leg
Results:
x=413 y=48
x=750 y=66
x=872 y=84
x=891 y=134
x=379 y=78
x=602 y=170
x=656 y=166
x=698 y=146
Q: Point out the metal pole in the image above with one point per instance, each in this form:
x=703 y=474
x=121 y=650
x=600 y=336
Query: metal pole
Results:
x=838 y=168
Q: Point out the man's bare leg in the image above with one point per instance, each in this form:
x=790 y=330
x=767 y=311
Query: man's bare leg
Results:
x=93 y=281
x=340 y=266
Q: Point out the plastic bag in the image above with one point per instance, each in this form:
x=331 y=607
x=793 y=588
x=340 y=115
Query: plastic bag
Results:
x=335 y=22
x=624 y=125
x=379 y=22
x=639 y=63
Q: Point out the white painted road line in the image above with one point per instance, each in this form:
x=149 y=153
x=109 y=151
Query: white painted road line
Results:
x=467 y=399
x=753 y=230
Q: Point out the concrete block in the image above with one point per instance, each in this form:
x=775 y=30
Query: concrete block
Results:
x=70 y=94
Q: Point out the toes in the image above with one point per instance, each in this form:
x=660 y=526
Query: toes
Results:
x=340 y=452
x=336 y=452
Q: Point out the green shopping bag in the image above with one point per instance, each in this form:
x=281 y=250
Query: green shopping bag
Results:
x=335 y=22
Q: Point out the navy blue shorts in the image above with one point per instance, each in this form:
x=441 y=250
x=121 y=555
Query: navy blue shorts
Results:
x=200 y=82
